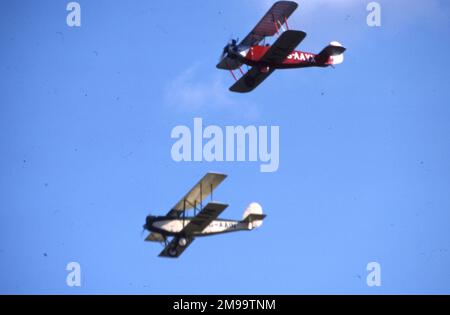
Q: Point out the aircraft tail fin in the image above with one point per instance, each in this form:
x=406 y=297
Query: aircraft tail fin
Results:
x=333 y=54
x=253 y=216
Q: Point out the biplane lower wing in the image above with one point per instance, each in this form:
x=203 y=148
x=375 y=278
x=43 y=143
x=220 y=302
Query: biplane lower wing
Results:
x=197 y=194
x=155 y=237
x=283 y=47
x=179 y=244
x=229 y=64
x=250 y=80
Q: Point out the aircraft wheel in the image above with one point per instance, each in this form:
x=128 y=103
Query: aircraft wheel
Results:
x=265 y=69
x=173 y=252
x=182 y=242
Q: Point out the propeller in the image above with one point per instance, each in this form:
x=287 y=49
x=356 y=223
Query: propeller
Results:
x=144 y=227
x=230 y=48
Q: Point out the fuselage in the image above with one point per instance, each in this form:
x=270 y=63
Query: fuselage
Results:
x=173 y=227
x=296 y=59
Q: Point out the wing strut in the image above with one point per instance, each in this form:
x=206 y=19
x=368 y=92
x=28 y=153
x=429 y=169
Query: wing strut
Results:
x=275 y=22
x=196 y=195
x=286 y=23
x=234 y=76
x=268 y=25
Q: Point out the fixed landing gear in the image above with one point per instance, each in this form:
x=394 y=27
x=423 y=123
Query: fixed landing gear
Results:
x=264 y=69
x=182 y=242
x=173 y=251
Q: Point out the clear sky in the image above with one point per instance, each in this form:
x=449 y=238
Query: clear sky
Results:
x=86 y=115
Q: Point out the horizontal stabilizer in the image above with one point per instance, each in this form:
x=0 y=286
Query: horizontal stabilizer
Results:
x=334 y=50
x=254 y=217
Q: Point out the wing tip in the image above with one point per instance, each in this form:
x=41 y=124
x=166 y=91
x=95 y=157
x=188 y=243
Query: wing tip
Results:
x=291 y=3
x=217 y=173
x=217 y=203
x=239 y=88
x=238 y=91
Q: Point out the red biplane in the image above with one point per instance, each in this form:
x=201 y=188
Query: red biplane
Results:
x=265 y=59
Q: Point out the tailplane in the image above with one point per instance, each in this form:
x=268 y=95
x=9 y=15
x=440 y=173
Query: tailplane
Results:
x=253 y=216
x=333 y=54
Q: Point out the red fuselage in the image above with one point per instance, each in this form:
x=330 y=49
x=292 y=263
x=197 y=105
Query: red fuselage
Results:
x=297 y=59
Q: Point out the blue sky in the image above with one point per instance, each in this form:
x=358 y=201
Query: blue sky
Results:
x=86 y=115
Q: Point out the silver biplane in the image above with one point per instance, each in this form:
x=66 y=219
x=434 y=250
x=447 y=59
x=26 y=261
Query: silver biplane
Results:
x=183 y=229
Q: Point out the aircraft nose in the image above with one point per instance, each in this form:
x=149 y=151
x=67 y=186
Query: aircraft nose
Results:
x=148 y=222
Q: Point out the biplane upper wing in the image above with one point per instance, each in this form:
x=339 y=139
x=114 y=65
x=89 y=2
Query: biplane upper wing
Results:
x=283 y=46
x=249 y=81
x=209 y=213
x=197 y=194
x=270 y=23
